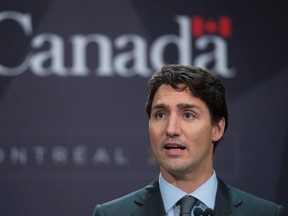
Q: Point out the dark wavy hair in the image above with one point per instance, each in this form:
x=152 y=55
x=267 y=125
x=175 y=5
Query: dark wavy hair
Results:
x=201 y=84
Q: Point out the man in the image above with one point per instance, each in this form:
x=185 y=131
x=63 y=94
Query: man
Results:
x=188 y=116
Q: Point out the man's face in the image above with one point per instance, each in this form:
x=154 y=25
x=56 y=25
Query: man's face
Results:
x=181 y=133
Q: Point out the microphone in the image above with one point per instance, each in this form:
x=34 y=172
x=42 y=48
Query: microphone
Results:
x=209 y=212
x=200 y=212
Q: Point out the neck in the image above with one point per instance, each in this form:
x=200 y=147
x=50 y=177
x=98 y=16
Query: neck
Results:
x=188 y=182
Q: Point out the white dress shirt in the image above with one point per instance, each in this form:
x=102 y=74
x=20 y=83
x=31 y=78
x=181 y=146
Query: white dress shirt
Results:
x=206 y=193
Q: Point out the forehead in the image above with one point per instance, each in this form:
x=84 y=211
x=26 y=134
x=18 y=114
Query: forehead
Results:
x=168 y=96
x=166 y=90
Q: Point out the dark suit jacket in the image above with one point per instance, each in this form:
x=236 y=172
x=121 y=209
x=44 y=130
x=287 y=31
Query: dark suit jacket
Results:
x=229 y=202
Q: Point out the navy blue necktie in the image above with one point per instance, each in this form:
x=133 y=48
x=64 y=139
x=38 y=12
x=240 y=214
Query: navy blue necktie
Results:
x=186 y=205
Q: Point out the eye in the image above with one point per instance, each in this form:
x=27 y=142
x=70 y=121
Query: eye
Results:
x=189 y=115
x=159 y=115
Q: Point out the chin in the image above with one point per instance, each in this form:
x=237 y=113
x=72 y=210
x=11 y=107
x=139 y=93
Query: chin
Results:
x=175 y=169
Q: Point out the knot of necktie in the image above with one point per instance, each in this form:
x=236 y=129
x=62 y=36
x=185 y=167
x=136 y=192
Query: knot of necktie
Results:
x=186 y=205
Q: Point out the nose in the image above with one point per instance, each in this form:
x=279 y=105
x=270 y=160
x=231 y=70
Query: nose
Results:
x=173 y=127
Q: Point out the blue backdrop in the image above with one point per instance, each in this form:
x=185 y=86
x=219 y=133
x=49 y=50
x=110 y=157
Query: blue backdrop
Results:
x=73 y=128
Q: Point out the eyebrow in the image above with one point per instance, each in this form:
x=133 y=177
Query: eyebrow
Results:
x=180 y=106
x=188 y=106
x=159 y=106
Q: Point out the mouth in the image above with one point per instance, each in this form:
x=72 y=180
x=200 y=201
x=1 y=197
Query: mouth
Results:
x=174 y=146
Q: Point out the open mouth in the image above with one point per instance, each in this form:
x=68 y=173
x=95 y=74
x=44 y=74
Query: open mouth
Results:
x=174 y=146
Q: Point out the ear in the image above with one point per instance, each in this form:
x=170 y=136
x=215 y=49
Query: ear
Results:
x=218 y=130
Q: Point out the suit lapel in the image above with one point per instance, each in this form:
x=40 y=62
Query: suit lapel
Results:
x=226 y=200
x=150 y=201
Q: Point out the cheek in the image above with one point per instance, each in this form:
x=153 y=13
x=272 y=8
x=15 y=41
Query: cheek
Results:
x=153 y=135
x=199 y=137
x=154 y=129
x=153 y=144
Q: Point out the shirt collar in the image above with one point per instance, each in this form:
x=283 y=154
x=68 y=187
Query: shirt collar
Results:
x=206 y=193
